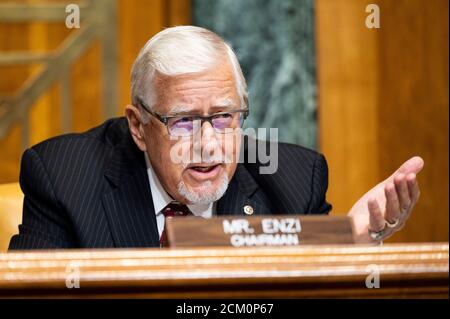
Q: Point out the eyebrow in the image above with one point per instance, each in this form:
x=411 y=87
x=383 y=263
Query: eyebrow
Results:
x=180 y=109
x=224 y=103
x=184 y=109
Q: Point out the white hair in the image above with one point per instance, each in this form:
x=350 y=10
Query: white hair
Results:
x=180 y=50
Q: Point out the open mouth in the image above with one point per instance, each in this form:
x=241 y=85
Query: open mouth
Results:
x=204 y=172
x=203 y=169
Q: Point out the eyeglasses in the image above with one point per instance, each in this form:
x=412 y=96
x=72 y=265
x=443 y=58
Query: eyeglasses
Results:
x=187 y=125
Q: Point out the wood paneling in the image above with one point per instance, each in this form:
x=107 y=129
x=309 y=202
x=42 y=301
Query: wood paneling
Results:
x=407 y=271
x=413 y=111
x=138 y=22
x=383 y=97
x=179 y=12
x=13 y=37
x=347 y=99
x=86 y=86
x=44 y=117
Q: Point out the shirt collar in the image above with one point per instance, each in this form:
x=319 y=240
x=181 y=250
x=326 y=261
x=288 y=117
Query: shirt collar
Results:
x=161 y=199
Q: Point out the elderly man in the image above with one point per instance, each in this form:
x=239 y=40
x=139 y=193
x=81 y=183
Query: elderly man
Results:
x=114 y=185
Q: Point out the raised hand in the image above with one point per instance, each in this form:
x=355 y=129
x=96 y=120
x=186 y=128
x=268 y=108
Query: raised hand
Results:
x=384 y=209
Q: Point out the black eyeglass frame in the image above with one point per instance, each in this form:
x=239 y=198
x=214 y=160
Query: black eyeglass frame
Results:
x=165 y=118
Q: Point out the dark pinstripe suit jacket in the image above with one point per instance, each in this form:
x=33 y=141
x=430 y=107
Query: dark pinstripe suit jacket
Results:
x=91 y=190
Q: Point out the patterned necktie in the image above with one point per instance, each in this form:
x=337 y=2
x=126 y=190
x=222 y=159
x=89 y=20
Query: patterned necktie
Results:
x=174 y=209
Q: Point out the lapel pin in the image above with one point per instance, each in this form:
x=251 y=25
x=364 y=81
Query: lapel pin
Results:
x=248 y=210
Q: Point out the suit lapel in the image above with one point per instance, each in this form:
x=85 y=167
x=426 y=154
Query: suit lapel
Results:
x=128 y=204
x=241 y=192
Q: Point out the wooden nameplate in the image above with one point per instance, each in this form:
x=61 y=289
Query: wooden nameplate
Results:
x=254 y=231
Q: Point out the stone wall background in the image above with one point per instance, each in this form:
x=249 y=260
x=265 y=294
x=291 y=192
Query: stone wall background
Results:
x=274 y=42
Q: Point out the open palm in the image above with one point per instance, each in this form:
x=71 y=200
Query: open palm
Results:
x=387 y=206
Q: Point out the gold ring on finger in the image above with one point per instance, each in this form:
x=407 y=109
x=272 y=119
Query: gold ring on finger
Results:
x=392 y=224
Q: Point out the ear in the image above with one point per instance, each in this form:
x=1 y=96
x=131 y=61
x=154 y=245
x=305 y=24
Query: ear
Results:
x=133 y=115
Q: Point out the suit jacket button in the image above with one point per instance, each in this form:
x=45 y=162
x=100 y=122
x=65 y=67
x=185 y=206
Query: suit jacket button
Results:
x=248 y=210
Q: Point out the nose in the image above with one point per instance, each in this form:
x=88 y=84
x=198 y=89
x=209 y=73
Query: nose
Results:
x=210 y=142
x=208 y=130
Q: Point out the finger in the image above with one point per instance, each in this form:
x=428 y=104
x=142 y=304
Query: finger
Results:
x=413 y=165
x=403 y=219
x=414 y=193
x=402 y=192
x=376 y=219
x=393 y=211
x=413 y=187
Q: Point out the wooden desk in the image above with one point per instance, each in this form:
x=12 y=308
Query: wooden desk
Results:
x=407 y=270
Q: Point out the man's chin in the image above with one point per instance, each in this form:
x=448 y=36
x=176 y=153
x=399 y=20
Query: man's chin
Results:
x=203 y=193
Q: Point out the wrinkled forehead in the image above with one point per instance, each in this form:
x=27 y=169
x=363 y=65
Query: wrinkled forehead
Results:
x=215 y=87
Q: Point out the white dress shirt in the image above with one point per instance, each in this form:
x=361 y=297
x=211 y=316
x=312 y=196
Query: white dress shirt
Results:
x=161 y=199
